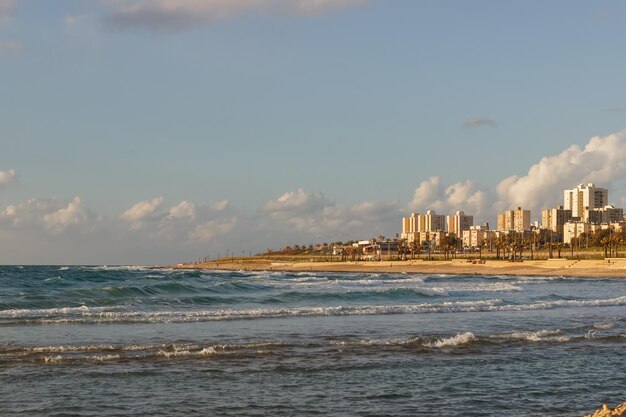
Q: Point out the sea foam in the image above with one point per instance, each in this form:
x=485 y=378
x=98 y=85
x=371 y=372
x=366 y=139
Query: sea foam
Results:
x=459 y=340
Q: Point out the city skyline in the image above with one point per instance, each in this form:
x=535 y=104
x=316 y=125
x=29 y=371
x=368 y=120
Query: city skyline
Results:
x=163 y=131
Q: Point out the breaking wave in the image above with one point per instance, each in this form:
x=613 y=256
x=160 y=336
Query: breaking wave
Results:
x=88 y=315
x=460 y=339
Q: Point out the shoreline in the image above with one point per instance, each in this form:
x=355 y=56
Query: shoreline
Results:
x=594 y=268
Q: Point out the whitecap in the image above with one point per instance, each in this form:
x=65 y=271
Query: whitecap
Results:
x=603 y=326
x=459 y=340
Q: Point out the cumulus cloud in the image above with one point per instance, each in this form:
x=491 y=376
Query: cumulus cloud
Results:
x=48 y=214
x=28 y=212
x=310 y=216
x=7 y=177
x=211 y=229
x=141 y=211
x=602 y=160
x=431 y=194
x=220 y=205
x=479 y=122
x=186 y=229
x=297 y=202
x=185 y=14
x=75 y=213
x=186 y=209
x=8 y=47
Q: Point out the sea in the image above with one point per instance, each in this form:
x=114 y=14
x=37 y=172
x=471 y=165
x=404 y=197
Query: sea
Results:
x=124 y=340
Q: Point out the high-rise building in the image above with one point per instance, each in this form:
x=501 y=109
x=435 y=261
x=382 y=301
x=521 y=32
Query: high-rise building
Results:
x=412 y=226
x=417 y=223
x=607 y=214
x=517 y=220
x=554 y=218
x=434 y=222
x=459 y=222
x=585 y=197
x=500 y=223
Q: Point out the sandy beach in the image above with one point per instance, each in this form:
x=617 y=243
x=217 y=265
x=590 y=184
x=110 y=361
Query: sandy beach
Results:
x=553 y=267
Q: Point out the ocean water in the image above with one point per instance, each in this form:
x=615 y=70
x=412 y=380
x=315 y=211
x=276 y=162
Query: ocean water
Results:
x=116 y=341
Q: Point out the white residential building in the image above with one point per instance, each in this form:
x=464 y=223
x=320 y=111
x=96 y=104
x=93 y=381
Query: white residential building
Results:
x=585 y=197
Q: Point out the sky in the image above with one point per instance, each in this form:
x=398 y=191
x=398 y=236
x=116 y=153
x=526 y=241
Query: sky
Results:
x=163 y=131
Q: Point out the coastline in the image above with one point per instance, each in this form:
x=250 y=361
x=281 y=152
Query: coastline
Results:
x=588 y=268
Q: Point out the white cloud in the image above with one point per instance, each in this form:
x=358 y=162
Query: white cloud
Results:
x=298 y=202
x=431 y=194
x=184 y=14
x=48 y=214
x=28 y=213
x=7 y=177
x=479 y=122
x=211 y=229
x=309 y=216
x=220 y=205
x=141 y=211
x=74 y=213
x=186 y=209
x=186 y=230
x=7 y=47
x=602 y=161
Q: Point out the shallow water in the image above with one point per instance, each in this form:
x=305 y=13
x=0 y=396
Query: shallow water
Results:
x=128 y=340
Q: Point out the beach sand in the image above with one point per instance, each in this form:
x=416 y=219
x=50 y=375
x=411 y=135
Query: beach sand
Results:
x=552 y=267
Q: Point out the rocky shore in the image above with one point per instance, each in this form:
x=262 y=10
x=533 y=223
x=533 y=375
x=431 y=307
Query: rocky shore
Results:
x=605 y=411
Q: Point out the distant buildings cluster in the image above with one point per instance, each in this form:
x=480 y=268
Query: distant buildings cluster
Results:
x=433 y=227
x=585 y=209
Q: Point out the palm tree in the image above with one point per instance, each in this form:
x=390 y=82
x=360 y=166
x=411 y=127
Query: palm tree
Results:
x=401 y=248
x=616 y=241
x=605 y=242
x=415 y=247
x=500 y=244
x=447 y=244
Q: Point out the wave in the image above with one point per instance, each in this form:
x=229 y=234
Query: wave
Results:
x=603 y=326
x=87 y=315
x=461 y=339
x=99 y=353
x=535 y=336
x=422 y=344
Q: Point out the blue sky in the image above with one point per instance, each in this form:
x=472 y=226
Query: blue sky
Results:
x=346 y=108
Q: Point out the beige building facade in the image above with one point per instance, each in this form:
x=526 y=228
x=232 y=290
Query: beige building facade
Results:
x=554 y=218
x=572 y=230
x=476 y=236
x=459 y=222
x=514 y=220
